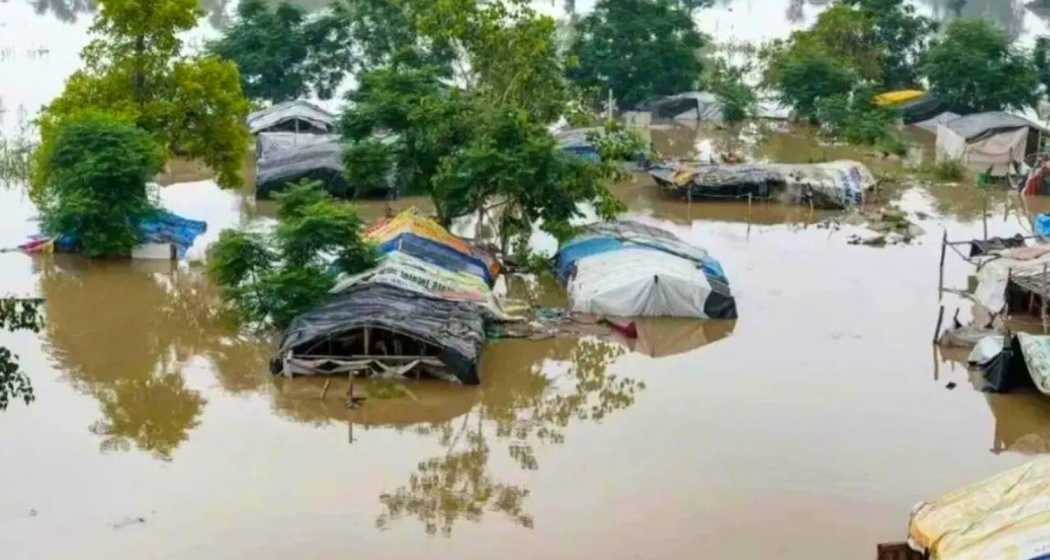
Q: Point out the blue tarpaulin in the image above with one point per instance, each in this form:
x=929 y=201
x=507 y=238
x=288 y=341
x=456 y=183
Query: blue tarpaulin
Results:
x=162 y=227
x=587 y=246
x=1042 y=225
x=437 y=254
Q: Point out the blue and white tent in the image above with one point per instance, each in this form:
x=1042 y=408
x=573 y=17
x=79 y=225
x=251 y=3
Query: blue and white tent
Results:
x=627 y=269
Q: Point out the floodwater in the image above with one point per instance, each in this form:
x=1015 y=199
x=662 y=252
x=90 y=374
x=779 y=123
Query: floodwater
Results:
x=806 y=429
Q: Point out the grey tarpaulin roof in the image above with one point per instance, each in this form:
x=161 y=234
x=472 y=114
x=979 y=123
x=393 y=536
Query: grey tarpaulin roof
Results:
x=699 y=105
x=284 y=157
x=931 y=124
x=455 y=327
x=977 y=124
x=283 y=116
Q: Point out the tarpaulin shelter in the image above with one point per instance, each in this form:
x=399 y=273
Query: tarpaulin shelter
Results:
x=283 y=158
x=931 y=124
x=162 y=235
x=422 y=308
x=837 y=184
x=689 y=106
x=371 y=326
x=996 y=140
x=425 y=239
x=574 y=141
x=628 y=269
x=1004 y=517
x=1022 y=360
x=297 y=116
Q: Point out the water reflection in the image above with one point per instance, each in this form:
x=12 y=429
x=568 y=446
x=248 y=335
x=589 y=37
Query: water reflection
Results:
x=1022 y=422
x=63 y=10
x=1009 y=14
x=124 y=332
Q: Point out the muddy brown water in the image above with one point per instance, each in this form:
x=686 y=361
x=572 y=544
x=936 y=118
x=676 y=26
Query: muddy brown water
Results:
x=806 y=429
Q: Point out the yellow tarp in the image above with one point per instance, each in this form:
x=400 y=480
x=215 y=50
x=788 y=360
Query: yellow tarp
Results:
x=1006 y=517
x=891 y=98
x=411 y=222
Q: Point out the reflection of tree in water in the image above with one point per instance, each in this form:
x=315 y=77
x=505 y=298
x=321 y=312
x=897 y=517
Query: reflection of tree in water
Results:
x=123 y=332
x=1008 y=14
x=522 y=406
x=796 y=11
x=63 y=10
x=16 y=315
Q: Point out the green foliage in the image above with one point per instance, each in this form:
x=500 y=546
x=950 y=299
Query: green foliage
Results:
x=193 y=107
x=368 y=165
x=803 y=72
x=1041 y=59
x=428 y=118
x=269 y=46
x=92 y=182
x=515 y=164
x=637 y=48
x=273 y=278
x=855 y=119
x=727 y=82
x=973 y=68
x=616 y=143
x=902 y=37
x=950 y=170
x=15 y=315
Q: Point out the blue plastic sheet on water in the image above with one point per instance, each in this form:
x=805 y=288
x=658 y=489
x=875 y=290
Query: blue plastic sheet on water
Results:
x=1042 y=225
x=437 y=254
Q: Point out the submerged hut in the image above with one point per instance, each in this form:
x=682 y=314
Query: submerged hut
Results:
x=297 y=116
x=628 y=269
x=283 y=158
x=687 y=106
x=1004 y=516
x=994 y=141
x=422 y=309
x=837 y=184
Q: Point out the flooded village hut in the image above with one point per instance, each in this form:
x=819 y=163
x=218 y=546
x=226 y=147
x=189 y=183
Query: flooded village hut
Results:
x=628 y=269
x=996 y=141
x=297 y=116
x=283 y=158
x=837 y=184
x=687 y=106
x=422 y=309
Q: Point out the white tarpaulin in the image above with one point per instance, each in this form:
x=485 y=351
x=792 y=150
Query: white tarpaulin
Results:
x=995 y=274
x=292 y=116
x=1005 y=517
x=983 y=141
x=638 y=283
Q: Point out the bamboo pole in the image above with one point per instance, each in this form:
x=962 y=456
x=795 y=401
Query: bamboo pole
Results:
x=937 y=330
x=940 y=282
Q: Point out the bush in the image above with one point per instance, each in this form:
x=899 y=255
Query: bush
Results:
x=368 y=164
x=92 y=182
x=951 y=170
x=270 y=279
x=616 y=143
x=857 y=121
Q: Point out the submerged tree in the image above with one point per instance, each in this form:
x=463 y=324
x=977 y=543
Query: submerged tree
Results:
x=638 y=49
x=974 y=68
x=193 y=107
x=272 y=279
x=902 y=36
x=16 y=315
x=91 y=182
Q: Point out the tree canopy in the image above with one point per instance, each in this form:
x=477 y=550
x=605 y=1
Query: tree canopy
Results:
x=637 y=48
x=16 y=315
x=134 y=67
x=270 y=48
x=273 y=278
x=92 y=182
x=974 y=68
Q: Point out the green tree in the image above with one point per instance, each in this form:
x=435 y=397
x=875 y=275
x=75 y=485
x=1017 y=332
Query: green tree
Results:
x=974 y=68
x=193 y=107
x=93 y=173
x=902 y=37
x=802 y=72
x=513 y=165
x=428 y=119
x=273 y=278
x=16 y=315
x=638 y=49
x=727 y=82
x=270 y=49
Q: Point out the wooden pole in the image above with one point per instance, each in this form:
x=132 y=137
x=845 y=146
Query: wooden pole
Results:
x=324 y=391
x=1044 y=295
x=937 y=330
x=940 y=282
x=984 y=213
